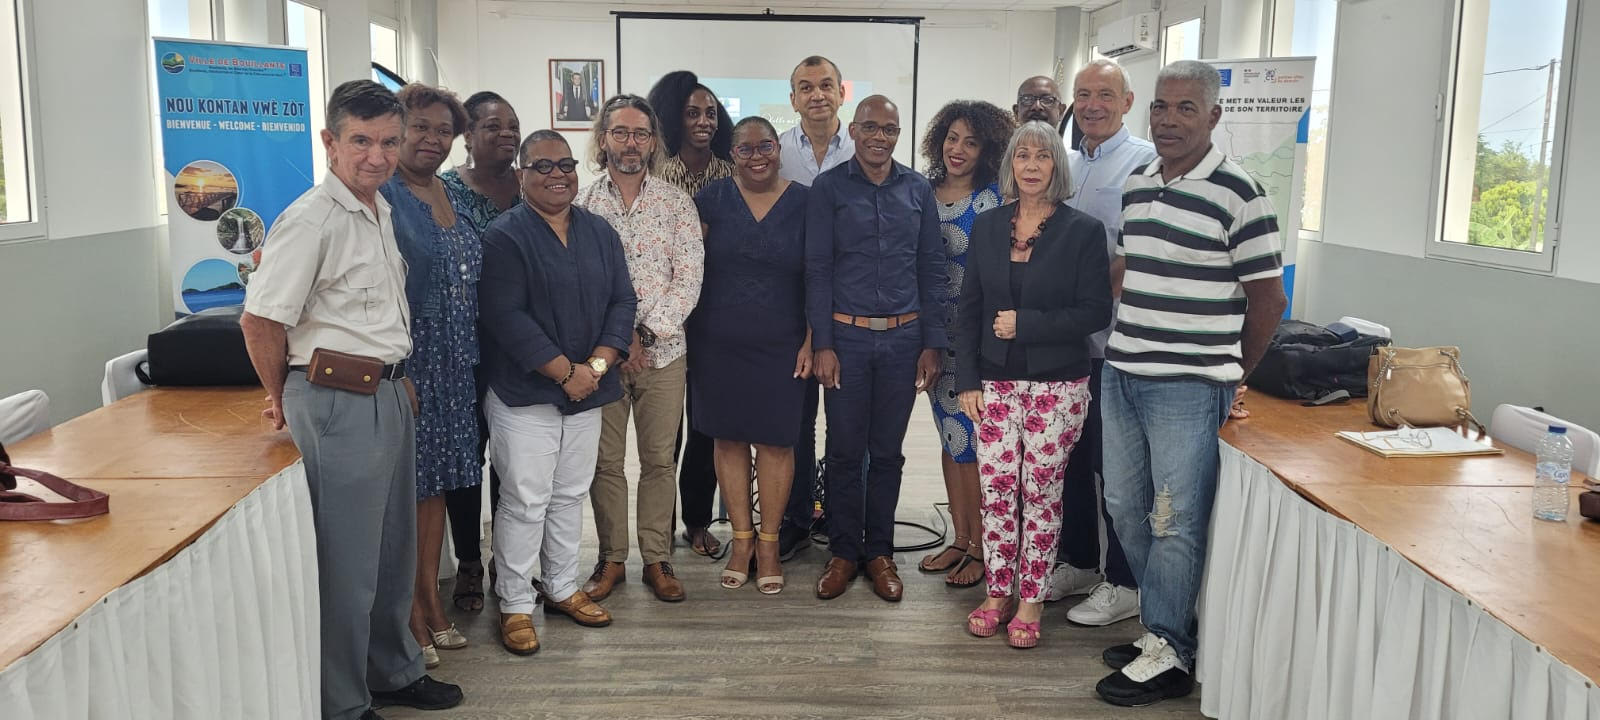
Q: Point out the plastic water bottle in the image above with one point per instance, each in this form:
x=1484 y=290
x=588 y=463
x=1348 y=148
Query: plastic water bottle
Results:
x=1551 y=475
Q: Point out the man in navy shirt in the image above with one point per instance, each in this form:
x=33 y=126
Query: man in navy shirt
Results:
x=874 y=261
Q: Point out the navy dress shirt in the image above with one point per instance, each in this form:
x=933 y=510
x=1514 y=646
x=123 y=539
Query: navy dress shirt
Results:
x=539 y=299
x=873 y=251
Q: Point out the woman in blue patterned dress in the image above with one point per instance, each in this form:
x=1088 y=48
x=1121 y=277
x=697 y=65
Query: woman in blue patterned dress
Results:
x=443 y=259
x=963 y=148
x=480 y=190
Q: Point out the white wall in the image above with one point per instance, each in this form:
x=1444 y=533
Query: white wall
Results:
x=486 y=45
x=91 y=289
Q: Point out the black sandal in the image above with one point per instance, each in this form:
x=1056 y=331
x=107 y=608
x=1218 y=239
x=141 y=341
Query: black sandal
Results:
x=709 y=545
x=961 y=545
x=469 y=587
x=967 y=559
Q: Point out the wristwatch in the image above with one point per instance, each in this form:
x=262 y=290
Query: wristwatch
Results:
x=598 y=364
x=647 y=338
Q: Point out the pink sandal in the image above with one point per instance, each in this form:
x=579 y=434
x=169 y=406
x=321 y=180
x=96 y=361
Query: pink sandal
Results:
x=1022 y=635
x=985 y=623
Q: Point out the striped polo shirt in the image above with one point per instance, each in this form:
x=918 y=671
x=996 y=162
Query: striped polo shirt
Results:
x=1189 y=246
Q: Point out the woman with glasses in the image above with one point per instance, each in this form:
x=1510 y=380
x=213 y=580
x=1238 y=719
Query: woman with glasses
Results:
x=557 y=311
x=697 y=133
x=444 y=258
x=962 y=149
x=1037 y=285
x=751 y=349
x=481 y=189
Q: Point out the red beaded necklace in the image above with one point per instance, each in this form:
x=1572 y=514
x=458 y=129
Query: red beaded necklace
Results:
x=1024 y=245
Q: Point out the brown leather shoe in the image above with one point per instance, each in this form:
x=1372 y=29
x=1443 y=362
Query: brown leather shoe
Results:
x=885 y=578
x=605 y=578
x=517 y=633
x=836 y=577
x=581 y=608
x=663 y=582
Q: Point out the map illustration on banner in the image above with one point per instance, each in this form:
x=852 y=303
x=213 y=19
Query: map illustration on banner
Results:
x=236 y=145
x=1265 y=107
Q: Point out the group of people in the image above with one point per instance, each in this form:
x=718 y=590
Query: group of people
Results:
x=1079 y=319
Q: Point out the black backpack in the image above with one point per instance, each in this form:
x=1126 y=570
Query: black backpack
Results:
x=206 y=348
x=1310 y=362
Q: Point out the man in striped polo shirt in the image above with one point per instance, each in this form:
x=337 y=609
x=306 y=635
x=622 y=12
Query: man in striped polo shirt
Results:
x=1199 y=271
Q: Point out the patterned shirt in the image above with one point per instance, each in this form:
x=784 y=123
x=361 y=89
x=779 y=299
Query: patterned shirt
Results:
x=675 y=172
x=666 y=256
x=1190 y=245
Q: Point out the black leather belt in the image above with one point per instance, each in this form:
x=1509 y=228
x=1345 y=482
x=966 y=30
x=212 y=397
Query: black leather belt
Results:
x=390 y=372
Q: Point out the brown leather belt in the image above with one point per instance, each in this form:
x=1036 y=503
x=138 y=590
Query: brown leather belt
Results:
x=875 y=323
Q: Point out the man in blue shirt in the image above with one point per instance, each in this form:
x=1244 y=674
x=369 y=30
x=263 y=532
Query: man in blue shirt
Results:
x=1101 y=96
x=869 y=223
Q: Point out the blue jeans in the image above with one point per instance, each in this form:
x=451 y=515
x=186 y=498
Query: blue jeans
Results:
x=867 y=418
x=1160 y=466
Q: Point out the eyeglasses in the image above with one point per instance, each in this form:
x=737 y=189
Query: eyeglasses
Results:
x=544 y=167
x=765 y=148
x=621 y=135
x=1044 y=101
x=869 y=129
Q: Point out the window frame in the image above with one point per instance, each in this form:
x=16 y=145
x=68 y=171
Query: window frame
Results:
x=37 y=226
x=1435 y=245
x=1275 y=49
x=393 y=24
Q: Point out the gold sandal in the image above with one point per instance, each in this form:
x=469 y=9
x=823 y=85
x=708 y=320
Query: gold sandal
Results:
x=770 y=584
x=733 y=579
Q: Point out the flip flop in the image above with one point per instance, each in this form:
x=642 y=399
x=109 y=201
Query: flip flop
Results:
x=966 y=559
x=469 y=588
x=957 y=546
x=709 y=544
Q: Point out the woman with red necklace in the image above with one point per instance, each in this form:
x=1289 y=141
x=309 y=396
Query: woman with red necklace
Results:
x=1037 y=286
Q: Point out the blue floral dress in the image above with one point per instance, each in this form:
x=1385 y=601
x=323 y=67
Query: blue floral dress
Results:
x=444 y=342
x=955 y=226
x=477 y=208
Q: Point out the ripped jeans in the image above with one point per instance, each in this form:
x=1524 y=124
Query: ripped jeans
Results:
x=1160 y=467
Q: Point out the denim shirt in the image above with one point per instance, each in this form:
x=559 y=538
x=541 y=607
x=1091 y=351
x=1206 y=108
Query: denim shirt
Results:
x=417 y=235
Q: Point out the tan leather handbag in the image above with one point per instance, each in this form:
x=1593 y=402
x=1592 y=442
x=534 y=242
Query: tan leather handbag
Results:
x=1419 y=387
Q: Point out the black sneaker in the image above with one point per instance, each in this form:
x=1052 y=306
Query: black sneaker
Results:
x=371 y=714
x=791 y=540
x=1154 y=676
x=424 y=694
x=1118 y=657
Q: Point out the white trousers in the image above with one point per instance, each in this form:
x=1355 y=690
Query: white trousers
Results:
x=546 y=462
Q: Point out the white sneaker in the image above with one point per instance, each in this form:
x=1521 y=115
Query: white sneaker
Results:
x=1106 y=604
x=1068 y=581
x=1158 y=657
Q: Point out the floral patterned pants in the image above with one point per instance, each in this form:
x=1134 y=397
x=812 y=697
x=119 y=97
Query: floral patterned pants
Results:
x=1027 y=432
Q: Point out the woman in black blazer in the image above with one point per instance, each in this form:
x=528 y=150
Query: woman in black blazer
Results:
x=1037 y=286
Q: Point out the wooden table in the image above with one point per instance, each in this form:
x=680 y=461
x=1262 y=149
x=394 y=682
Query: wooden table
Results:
x=173 y=461
x=1465 y=522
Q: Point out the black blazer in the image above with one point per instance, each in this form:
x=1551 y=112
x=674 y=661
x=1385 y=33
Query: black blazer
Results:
x=1066 y=295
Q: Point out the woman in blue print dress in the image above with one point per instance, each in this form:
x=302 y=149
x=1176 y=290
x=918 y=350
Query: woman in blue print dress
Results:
x=443 y=260
x=963 y=148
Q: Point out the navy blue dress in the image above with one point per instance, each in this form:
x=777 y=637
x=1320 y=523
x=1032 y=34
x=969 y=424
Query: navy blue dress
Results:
x=750 y=323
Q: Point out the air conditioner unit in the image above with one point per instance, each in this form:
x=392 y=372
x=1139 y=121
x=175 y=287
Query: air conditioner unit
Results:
x=1133 y=34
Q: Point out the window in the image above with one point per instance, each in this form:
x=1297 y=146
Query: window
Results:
x=1305 y=28
x=385 y=49
x=17 y=202
x=189 y=19
x=303 y=28
x=1503 y=127
x=1180 y=41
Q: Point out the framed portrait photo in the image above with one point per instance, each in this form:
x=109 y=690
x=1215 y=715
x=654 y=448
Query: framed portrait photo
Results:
x=577 y=87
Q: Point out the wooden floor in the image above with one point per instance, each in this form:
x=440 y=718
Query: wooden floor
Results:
x=740 y=654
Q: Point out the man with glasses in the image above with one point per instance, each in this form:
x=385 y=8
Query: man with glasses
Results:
x=878 y=336
x=660 y=232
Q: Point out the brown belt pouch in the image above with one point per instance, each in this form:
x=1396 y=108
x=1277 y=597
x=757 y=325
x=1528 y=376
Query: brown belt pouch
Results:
x=343 y=371
x=411 y=392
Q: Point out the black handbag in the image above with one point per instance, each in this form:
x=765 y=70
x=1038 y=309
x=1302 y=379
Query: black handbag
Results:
x=1309 y=362
x=206 y=348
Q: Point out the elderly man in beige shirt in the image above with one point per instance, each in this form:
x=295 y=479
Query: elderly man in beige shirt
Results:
x=332 y=279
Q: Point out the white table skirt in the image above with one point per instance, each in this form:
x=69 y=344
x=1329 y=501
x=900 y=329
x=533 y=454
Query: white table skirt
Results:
x=227 y=628
x=1305 y=615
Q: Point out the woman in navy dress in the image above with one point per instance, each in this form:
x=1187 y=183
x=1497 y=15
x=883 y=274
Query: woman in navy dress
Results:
x=444 y=258
x=963 y=149
x=749 y=347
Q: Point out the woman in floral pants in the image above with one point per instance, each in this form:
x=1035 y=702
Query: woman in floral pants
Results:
x=1037 y=286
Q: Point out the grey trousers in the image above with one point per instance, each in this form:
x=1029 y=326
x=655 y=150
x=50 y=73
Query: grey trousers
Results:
x=360 y=460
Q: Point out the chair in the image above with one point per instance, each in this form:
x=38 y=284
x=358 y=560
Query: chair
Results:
x=1523 y=427
x=22 y=415
x=120 y=380
x=1367 y=327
